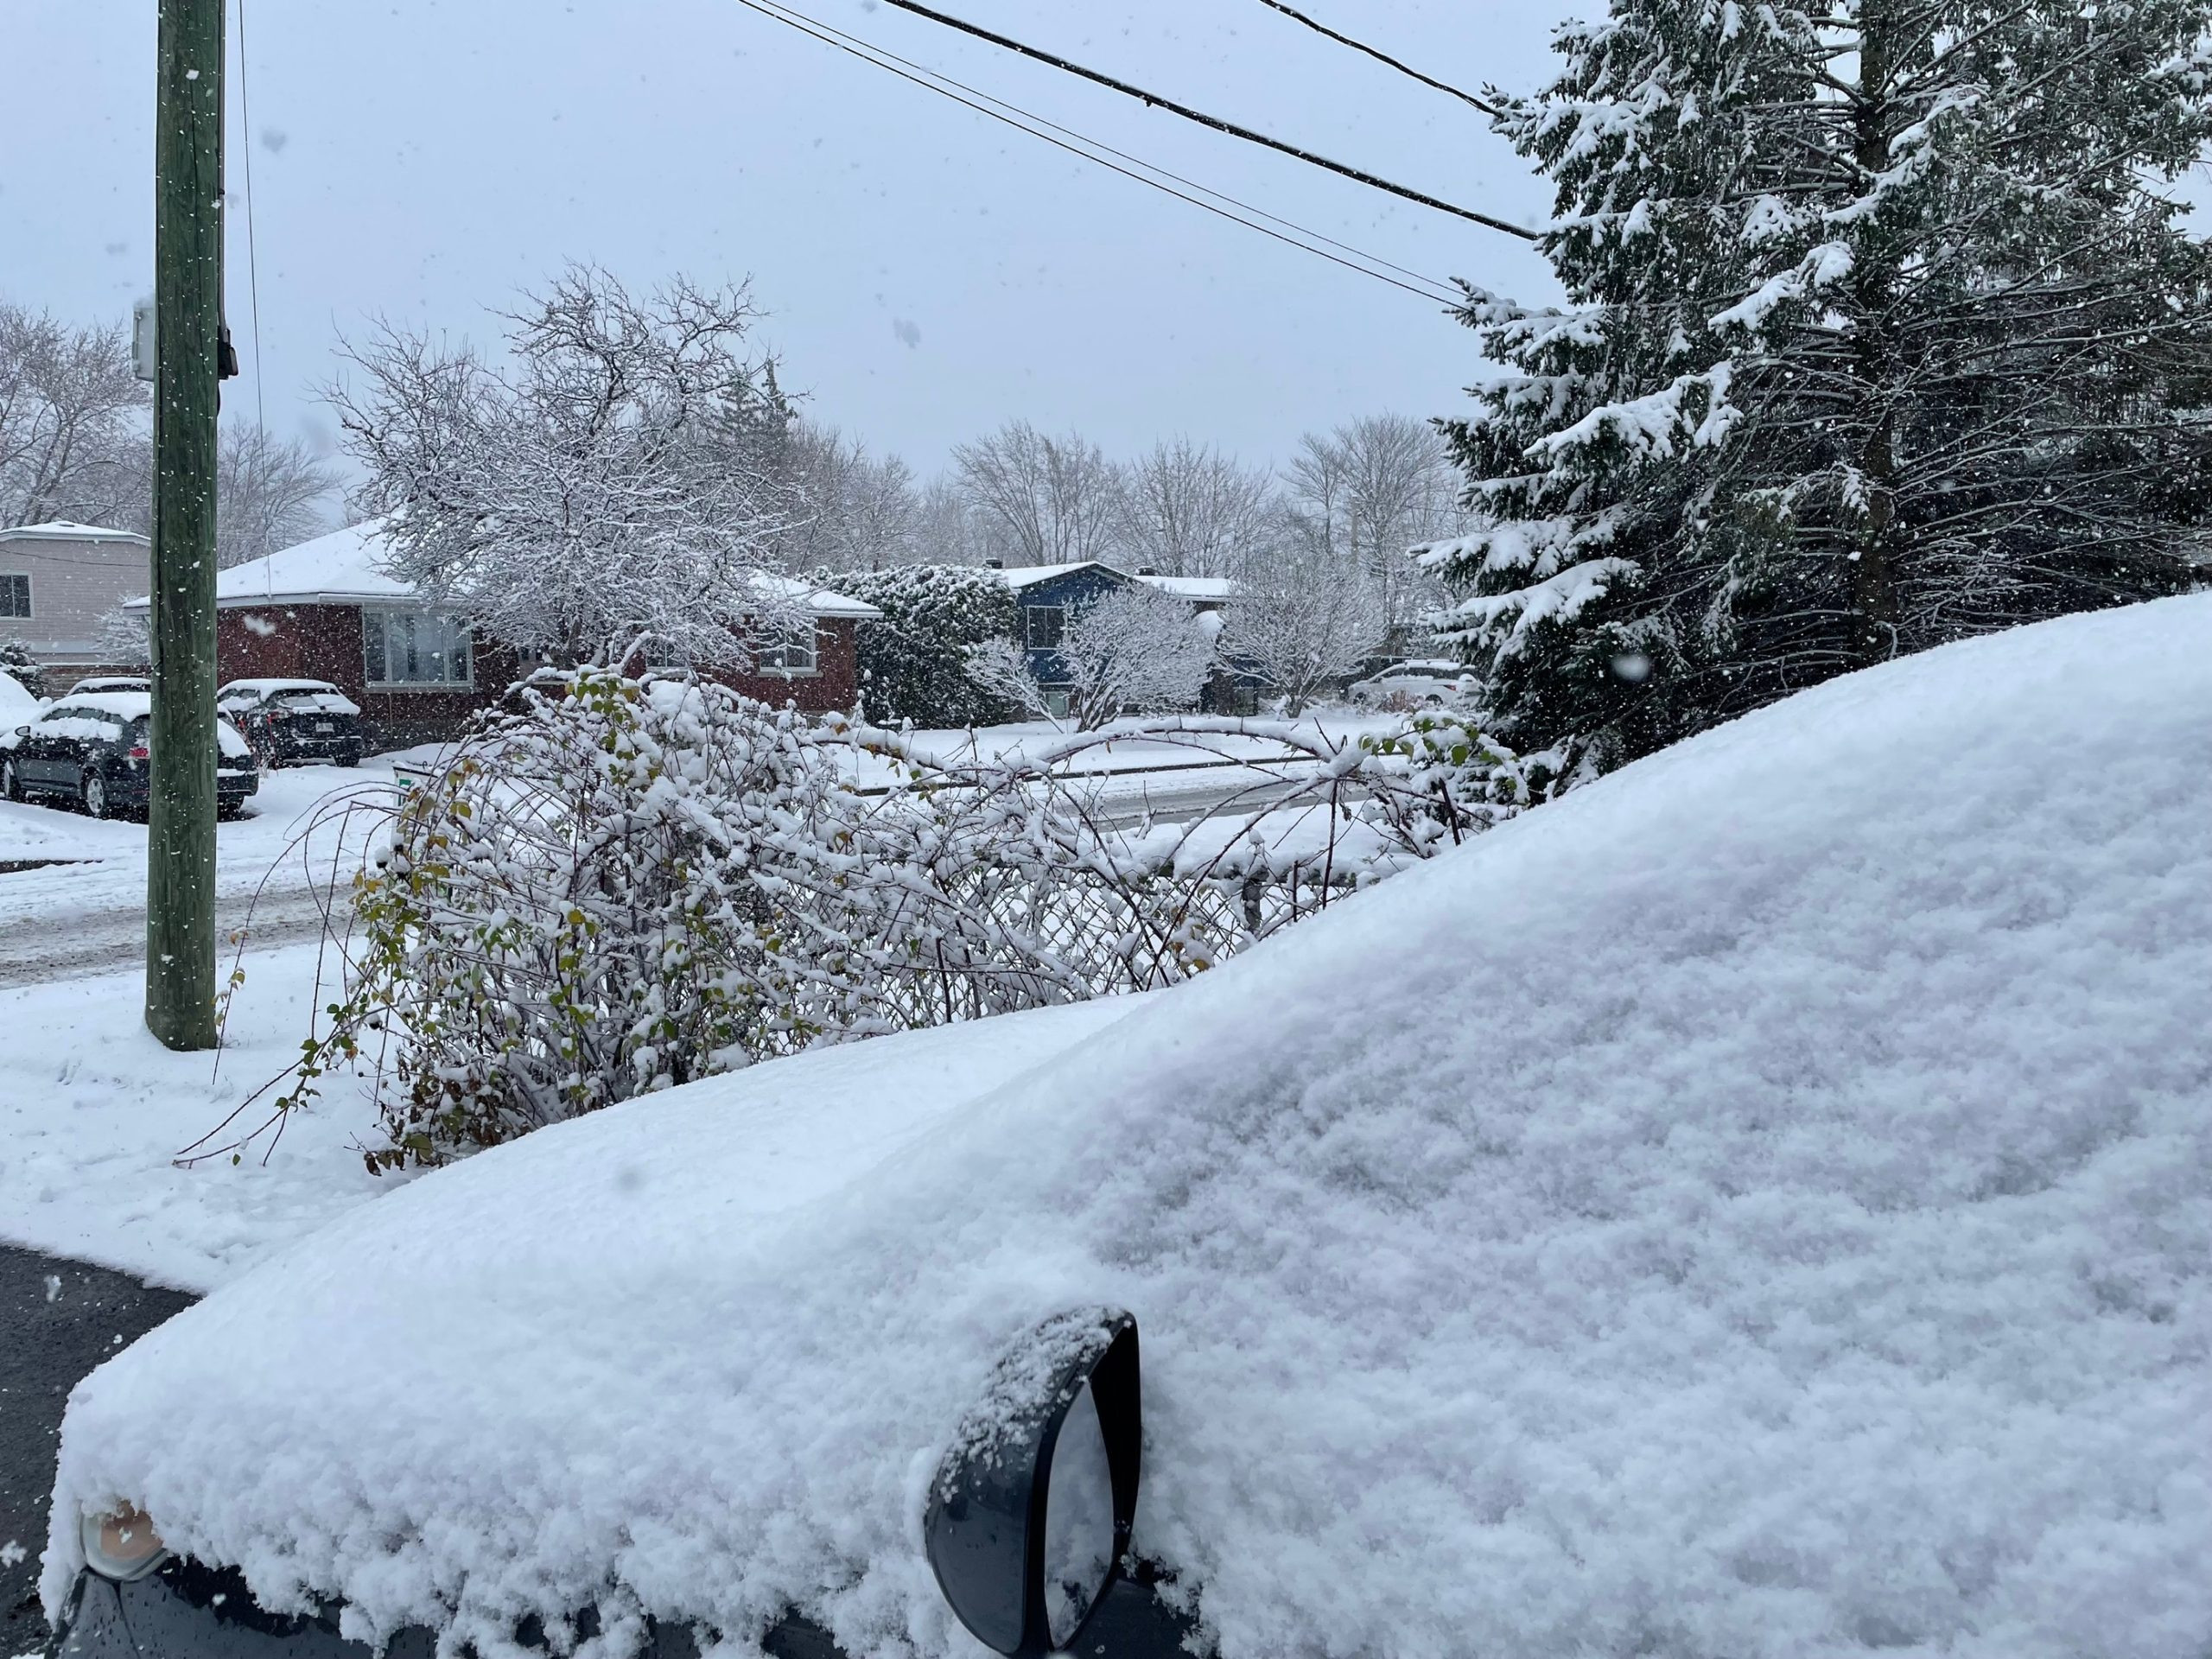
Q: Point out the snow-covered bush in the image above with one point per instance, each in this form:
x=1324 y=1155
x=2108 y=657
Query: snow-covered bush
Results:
x=914 y=664
x=20 y=664
x=620 y=887
x=1453 y=781
x=1133 y=651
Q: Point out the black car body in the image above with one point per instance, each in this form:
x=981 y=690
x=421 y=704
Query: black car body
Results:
x=185 y=1611
x=92 y=749
x=287 y=722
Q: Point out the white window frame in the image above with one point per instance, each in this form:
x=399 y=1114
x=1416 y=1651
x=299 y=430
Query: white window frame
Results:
x=381 y=617
x=30 y=606
x=1029 y=615
x=775 y=661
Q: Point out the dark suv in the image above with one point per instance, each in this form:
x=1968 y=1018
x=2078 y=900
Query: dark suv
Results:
x=289 y=722
x=92 y=749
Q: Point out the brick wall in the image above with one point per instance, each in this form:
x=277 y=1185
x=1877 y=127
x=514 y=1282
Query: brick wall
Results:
x=834 y=684
x=323 y=642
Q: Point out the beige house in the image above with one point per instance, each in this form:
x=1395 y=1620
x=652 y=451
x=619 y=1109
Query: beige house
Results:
x=59 y=581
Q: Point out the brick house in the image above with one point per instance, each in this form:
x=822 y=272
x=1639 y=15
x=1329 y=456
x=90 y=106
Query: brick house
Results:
x=327 y=610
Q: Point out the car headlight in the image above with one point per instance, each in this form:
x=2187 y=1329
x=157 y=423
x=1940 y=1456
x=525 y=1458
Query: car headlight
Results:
x=122 y=1544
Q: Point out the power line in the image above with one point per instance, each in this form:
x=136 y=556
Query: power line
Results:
x=1442 y=288
x=1482 y=104
x=1155 y=101
x=252 y=254
x=777 y=13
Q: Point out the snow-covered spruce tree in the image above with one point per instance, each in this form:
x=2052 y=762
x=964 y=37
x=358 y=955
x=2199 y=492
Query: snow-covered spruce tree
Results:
x=608 y=484
x=914 y=664
x=1882 y=331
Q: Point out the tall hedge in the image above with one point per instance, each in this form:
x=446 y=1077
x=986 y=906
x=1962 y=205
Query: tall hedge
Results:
x=914 y=663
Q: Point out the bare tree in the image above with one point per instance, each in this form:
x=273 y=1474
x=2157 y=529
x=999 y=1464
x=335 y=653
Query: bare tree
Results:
x=269 y=494
x=1047 y=500
x=568 y=501
x=1378 y=486
x=860 y=511
x=948 y=527
x=1191 y=510
x=1304 y=619
x=70 y=440
x=1134 y=650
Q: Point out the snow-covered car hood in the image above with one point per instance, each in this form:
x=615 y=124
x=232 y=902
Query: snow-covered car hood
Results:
x=1758 y=1205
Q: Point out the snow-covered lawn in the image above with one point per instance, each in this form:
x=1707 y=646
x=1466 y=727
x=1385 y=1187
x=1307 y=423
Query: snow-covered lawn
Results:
x=1759 y=1205
x=94 y=1110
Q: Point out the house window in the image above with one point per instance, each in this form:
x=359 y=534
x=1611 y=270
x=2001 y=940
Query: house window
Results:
x=14 y=595
x=415 y=648
x=1043 y=625
x=794 y=655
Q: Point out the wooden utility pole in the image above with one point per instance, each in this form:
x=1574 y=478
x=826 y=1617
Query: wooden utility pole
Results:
x=189 y=312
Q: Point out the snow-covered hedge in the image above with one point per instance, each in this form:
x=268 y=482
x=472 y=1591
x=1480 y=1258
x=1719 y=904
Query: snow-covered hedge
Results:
x=913 y=663
x=628 y=886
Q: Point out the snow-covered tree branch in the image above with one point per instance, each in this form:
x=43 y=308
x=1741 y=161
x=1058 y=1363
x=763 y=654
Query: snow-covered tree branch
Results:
x=1134 y=650
x=1882 y=330
x=572 y=498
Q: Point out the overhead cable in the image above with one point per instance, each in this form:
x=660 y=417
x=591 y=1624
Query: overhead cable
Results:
x=1433 y=290
x=1483 y=103
x=1443 y=289
x=1215 y=121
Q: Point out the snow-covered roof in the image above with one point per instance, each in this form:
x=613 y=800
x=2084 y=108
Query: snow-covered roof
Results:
x=62 y=529
x=351 y=567
x=822 y=601
x=1200 y=588
x=1028 y=575
x=1752 y=1205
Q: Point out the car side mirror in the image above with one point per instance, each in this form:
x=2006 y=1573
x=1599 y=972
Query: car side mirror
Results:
x=1030 y=1512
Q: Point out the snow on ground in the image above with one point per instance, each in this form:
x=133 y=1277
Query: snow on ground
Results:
x=94 y=1110
x=1760 y=1204
x=93 y=1113
x=1027 y=738
x=114 y=848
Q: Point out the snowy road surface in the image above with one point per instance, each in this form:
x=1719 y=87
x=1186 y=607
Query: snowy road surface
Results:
x=85 y=912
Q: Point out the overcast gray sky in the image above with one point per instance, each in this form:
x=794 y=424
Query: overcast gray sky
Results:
x=928 y=273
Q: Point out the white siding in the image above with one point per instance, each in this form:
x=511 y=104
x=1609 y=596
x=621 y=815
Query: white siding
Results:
x=74 y=584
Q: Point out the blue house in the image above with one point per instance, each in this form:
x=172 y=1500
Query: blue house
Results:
x=1049 y=594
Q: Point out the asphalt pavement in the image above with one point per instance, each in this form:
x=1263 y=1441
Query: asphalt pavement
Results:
x=58 y=1319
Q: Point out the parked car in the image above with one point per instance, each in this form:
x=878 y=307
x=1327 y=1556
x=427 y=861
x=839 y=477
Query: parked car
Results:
x=1413 y=684
x=289 y=722
x=100 y=683
x=92 y=748
x=1755 y=1205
